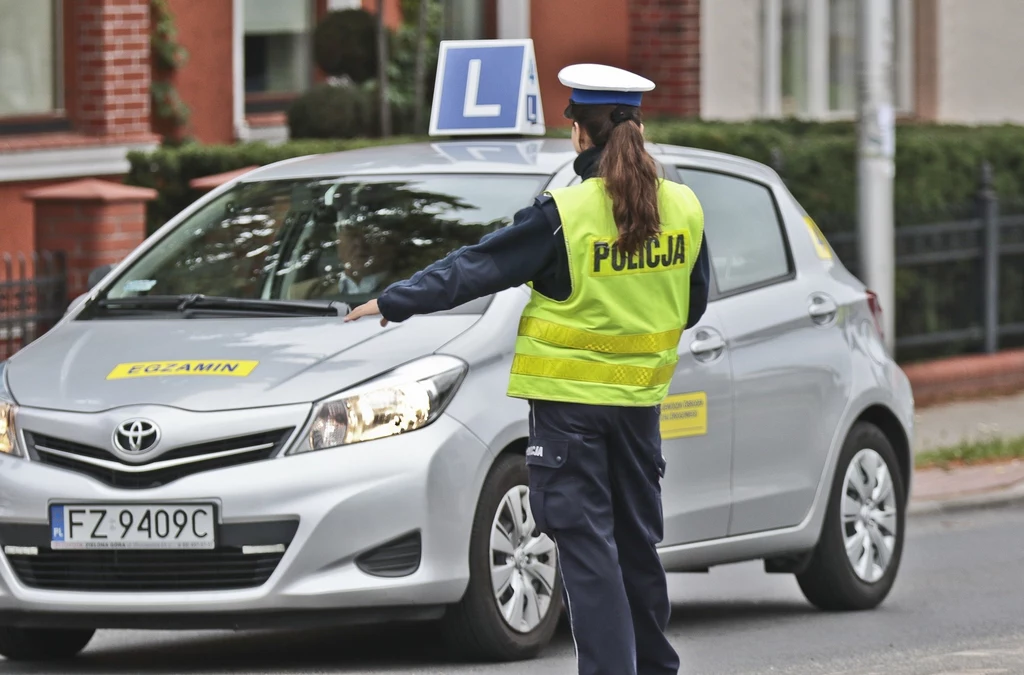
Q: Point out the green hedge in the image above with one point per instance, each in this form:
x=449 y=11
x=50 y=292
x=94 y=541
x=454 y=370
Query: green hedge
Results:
x=937 y=167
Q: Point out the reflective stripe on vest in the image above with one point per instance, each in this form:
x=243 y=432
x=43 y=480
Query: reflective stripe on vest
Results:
x=566 y=336
x=586 y=371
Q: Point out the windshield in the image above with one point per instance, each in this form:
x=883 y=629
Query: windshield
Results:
x=342 y=239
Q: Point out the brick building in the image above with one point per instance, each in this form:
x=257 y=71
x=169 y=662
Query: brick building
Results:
x=75 y=75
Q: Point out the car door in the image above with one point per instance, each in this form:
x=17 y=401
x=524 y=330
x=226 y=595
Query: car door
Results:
x=696 y=428
x=785 y=352
x=696 y=431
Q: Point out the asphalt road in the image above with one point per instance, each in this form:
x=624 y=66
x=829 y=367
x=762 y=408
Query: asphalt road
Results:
x=957 y=607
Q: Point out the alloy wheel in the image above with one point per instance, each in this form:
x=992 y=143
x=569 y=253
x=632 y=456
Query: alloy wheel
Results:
x=523 y=563
x=869 y=518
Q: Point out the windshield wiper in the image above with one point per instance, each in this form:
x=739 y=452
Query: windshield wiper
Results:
x=193 y=305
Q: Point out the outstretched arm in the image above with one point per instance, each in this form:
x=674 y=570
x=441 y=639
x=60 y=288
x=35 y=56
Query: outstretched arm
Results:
x=503 y=259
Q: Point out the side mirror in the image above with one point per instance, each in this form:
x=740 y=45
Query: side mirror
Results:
x=97 y=275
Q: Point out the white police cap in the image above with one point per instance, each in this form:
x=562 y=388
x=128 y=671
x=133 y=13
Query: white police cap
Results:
x=594 y=84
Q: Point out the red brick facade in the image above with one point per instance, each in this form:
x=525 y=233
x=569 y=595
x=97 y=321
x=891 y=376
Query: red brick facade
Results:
x=665 y=47
x=93 y=222
x=112 y=43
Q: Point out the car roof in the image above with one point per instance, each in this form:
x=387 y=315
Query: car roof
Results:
x=477 y=156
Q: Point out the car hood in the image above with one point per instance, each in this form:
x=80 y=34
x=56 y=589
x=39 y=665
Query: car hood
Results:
x=90 y=366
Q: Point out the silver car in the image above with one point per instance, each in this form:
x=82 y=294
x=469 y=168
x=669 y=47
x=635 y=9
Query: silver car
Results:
x=202 y=442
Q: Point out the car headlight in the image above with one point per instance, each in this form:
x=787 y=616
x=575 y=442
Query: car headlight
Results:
x=8 y=435
x=407 y=398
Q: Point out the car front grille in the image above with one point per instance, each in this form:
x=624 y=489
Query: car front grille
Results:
x=215 y=570
x=168 y=467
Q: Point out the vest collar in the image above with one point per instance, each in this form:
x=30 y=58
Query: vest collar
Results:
x=587 y=162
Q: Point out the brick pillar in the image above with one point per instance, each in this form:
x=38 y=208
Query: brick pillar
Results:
x=93 y=222
x=665 y=47
x=112 y=50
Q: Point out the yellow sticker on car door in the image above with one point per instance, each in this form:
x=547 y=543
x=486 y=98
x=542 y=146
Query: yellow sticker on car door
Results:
x=684 y=415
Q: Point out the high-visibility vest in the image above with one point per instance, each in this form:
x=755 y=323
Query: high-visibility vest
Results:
x=614 y=341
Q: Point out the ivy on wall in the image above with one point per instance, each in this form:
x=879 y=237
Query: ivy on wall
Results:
x=168 y=55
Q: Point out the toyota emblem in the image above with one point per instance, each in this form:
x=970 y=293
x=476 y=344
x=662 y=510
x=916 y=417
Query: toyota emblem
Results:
x=136 y=436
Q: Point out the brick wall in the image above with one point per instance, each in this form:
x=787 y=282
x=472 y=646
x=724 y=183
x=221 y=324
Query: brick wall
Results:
x=92 y=222
x=112 y=44
x=665 y=47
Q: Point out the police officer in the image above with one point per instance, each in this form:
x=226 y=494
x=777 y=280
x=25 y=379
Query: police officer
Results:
x=619 y=268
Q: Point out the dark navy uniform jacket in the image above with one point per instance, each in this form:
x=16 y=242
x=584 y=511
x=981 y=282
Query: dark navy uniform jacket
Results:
x=532 y=248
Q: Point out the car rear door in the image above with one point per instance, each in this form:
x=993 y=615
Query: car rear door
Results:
x=787 y=355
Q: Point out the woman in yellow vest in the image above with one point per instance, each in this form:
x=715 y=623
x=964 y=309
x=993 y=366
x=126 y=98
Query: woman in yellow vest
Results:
x=619 y=268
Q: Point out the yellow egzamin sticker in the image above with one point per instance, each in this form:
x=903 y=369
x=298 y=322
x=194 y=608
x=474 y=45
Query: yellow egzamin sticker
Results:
x=684 y=415
x=124 y=371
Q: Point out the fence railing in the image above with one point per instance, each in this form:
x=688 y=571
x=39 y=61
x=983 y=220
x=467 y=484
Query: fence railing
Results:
x=33 y=297
x=959 y=283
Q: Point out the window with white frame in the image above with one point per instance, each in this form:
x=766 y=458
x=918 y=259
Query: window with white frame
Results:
x=810 y=57
x=29 y=57
x=278 y=51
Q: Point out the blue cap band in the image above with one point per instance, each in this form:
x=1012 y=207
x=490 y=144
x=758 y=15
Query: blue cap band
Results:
x=589 y=97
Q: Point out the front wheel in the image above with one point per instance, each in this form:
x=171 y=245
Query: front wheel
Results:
x=856 y=560
x=512 y=605
x=42 y=644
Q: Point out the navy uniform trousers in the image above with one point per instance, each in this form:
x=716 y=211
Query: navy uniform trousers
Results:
x=595 y=488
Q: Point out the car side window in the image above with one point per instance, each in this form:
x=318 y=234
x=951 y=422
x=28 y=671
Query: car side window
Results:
x=744 y=231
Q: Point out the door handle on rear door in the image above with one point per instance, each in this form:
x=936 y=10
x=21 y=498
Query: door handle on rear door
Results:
x=707 y=345
x=823 y=308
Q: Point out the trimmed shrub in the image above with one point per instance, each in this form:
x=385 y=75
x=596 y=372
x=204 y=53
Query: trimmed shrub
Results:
x=345 y=44
x=330 y=111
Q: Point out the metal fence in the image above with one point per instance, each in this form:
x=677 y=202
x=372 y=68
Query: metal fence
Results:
x=959 y=280
x=33 y=297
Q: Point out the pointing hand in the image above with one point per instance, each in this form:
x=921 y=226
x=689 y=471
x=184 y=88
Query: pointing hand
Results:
x=369 y=309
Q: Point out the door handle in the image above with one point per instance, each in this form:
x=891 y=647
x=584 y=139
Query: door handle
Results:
x=822 y=309
x=707 y=343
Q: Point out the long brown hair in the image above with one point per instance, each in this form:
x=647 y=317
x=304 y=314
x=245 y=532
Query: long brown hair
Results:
x=629 y=172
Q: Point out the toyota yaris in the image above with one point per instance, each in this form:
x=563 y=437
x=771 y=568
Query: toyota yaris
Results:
x=202 y=442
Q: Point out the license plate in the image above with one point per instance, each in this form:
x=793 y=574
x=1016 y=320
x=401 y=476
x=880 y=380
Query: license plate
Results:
x=136 y=526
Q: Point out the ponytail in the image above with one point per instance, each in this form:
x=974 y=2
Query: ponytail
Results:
x=630 y=174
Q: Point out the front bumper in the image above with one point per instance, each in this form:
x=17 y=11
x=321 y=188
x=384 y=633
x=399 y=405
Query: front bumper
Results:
x=339 y=504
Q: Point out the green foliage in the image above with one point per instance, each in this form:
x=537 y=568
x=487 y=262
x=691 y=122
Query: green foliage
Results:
x=345 y=113
x=333 y=111
x=345 y=44
x=168 y=56
x=979 y=452
x=402 y=69
x=937 y=167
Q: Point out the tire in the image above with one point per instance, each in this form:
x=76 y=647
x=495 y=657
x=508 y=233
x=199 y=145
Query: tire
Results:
x=475 y=629
x=42 y=644
x=830 y=581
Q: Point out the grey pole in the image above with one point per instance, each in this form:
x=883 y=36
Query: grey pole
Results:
x=876 y=150
x=990 y=218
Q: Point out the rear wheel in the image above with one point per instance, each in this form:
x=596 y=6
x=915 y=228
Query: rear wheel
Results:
x=856 y=560
x=42 y=644
x=512 y=605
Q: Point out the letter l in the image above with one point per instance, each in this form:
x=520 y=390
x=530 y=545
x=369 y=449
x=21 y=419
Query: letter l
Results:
x=471 y=108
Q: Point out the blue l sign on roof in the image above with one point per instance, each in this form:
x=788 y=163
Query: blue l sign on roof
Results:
x=486 y=87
